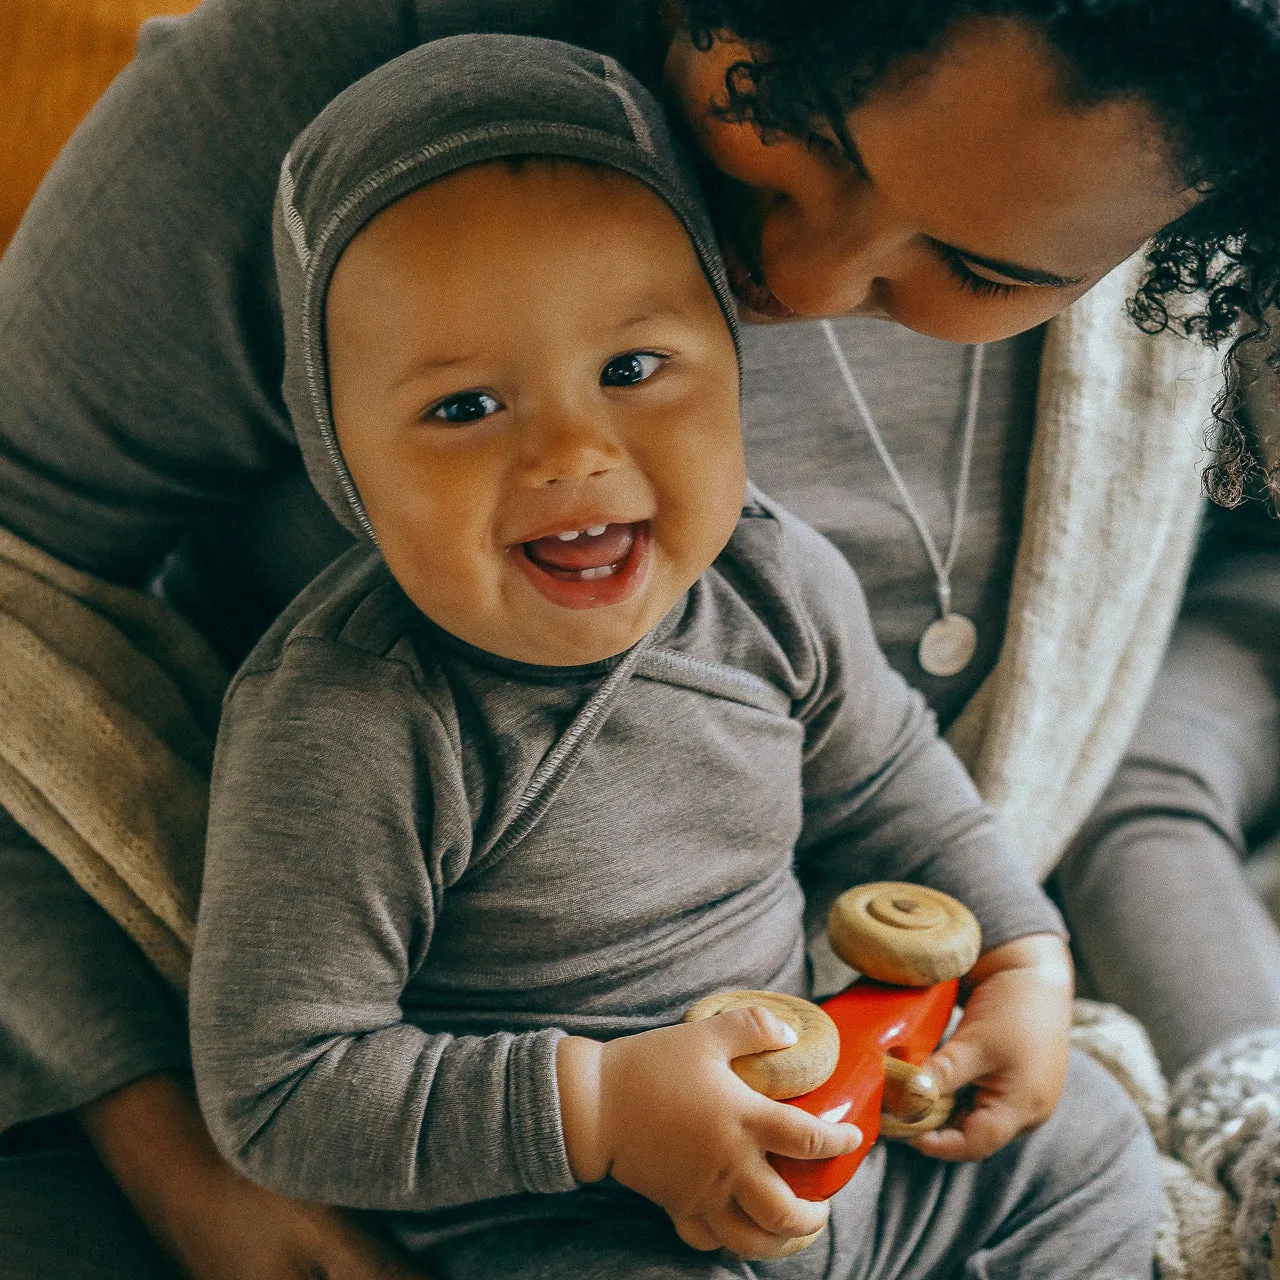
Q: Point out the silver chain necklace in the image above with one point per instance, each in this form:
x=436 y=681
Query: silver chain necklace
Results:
x=950 y=640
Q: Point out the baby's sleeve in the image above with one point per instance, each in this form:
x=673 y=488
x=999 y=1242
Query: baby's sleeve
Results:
x=334 y=831
x=885 y=798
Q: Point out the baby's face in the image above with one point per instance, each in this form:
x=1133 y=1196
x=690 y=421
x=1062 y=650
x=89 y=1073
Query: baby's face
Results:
x=537 y=398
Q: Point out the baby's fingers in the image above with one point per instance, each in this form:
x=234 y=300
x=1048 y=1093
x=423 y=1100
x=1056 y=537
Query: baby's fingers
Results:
x=788 y=1131
x=961 y=1061
x=740 y=1235
x=773 y=1207
x=975 y=1134
x=696 y=1234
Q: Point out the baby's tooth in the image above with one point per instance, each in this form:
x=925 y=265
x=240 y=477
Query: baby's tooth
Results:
x=568 y=535
x=596 y=530
x=604 y=571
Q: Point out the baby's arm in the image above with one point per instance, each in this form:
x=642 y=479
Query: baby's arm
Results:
x=886 y=799
x=319 y=900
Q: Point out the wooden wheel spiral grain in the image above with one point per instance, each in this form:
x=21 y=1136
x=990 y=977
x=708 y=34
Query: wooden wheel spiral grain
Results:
x=906 y=934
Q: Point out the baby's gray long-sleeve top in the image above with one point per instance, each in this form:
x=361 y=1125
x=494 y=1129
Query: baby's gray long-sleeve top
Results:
x=426 y=864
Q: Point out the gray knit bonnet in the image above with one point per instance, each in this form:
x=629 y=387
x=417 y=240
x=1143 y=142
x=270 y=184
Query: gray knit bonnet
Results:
x=438 y=108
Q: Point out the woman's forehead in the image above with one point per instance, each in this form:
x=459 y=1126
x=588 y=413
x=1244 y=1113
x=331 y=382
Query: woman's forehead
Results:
x=991 y=158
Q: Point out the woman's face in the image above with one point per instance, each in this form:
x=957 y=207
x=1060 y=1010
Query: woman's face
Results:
x=972 y=204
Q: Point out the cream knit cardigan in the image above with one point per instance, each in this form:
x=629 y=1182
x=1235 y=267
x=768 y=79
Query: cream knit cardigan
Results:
x=1112 y=508
x=108 y=701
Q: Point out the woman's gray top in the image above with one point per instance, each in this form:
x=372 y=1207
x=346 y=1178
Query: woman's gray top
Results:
x=141 y=425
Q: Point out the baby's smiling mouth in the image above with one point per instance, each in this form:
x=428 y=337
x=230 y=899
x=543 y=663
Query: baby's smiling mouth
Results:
x=583 y=555
x=585 y=568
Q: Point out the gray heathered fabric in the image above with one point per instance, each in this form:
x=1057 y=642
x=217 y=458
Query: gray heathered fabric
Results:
x=1080 y=1194
x=141 y=416
x=379 y=983
x=429 y=112
x=807 y=448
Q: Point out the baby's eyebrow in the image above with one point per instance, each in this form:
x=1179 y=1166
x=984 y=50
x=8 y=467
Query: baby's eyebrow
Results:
x=644 y=314
x=430 y=364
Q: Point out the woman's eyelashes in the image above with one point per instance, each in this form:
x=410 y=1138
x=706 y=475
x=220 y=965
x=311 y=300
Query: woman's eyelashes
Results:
x=823 y=145
x=631 y=367
x=969 y=279
x=464 y=406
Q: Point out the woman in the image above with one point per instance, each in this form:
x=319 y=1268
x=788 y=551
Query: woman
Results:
x=966 y=170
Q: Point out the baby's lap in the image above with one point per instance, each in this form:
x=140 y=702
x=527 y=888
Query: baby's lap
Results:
x=60 y=1215
x=1091 y=1170
x=630 y=1247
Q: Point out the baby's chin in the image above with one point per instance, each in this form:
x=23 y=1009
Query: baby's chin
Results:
x=548 y=635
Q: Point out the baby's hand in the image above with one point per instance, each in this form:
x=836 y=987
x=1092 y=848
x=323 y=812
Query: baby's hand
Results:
x=664 y=1113
x=1011 y=1046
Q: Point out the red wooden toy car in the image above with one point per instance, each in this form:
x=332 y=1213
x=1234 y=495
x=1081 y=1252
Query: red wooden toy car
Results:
x=861 y=1061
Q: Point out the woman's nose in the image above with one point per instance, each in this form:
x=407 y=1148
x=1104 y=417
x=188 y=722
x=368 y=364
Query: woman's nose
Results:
x=835 y=263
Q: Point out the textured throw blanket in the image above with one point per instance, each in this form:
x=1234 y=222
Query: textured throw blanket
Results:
x=109 y=703
x=108 y=711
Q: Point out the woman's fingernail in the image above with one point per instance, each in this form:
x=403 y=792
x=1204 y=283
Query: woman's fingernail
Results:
x=789 y=1036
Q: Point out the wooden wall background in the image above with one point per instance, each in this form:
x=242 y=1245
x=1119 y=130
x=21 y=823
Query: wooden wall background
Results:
x=56 y=58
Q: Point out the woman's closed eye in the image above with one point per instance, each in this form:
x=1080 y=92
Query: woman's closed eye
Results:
x=464 y=406
x=969 y=279
x=630 y=367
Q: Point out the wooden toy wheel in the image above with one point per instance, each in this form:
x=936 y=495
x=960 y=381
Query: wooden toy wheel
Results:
x=906 y=934
x=780 y=1073
x=937 y=1115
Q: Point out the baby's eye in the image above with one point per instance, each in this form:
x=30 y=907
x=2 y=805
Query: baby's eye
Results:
x=466 y=406
x=630 y=368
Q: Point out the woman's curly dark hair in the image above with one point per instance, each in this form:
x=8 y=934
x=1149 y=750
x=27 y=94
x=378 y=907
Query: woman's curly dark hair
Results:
x=1208 y=69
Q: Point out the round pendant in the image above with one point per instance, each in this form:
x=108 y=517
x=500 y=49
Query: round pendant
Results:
x=948 y=645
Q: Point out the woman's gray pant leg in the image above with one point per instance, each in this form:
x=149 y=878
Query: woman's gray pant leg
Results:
x=62 y=1218
x=1162 y=919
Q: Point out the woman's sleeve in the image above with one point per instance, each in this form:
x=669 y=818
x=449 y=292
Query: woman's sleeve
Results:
x=84 y=1012
x=140 y=356
x=139 y=375
x=321 y=890
x=885 y=798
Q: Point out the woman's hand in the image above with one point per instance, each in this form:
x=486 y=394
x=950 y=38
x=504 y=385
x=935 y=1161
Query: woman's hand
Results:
x=664 y=1114
x=1010 y=1048
x=210 y=1221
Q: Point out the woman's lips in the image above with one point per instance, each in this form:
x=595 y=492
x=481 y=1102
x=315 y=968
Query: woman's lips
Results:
x=588 y=571
x=754 y=295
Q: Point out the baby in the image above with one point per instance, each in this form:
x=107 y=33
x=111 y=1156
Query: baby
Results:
x=572 y=737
